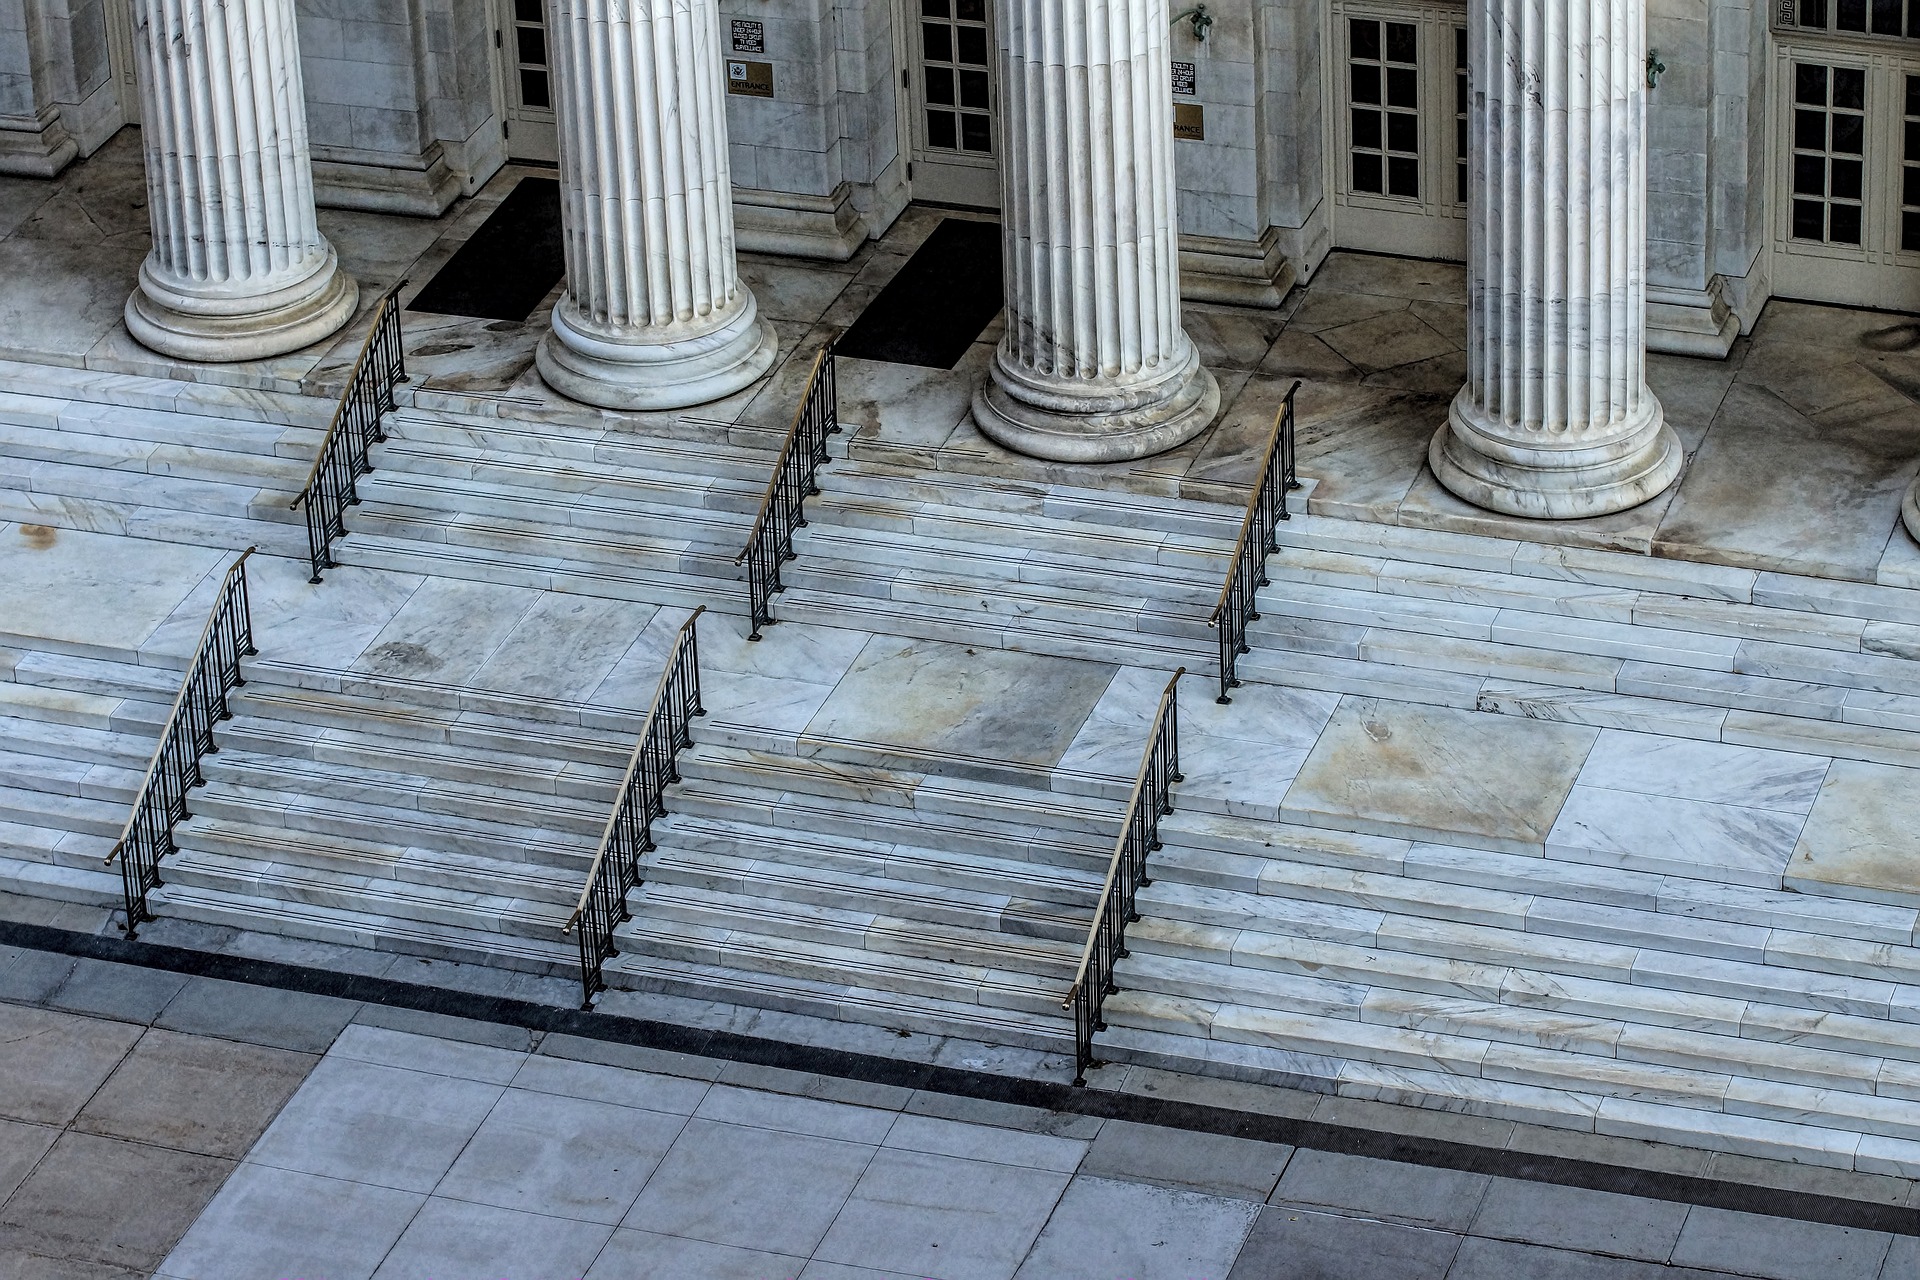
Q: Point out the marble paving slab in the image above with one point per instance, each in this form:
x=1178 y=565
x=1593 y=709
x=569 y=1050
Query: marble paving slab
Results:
x=992 y=704
x=1862 y=839
x=1456 y=777
x=95 y=590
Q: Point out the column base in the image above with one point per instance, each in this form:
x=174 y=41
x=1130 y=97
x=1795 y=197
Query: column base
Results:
x=217 y=324
x=1910 y=511
x=1555 y=484
x=1065 y=420
x=664 y=367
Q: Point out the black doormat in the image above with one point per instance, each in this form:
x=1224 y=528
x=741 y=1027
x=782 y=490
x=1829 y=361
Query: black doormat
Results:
x=932 y=311
x=511 y=263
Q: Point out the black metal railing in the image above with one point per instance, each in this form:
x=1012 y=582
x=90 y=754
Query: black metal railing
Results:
x=783 y=509
x=1151 y=800
x=1239 y=598
x=629 y=833
x=332 y=482
x=161 y=801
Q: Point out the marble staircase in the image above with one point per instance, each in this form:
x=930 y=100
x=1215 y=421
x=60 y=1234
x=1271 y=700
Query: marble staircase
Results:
x=1600 y=998
x=1080 y=572
x=919 y=894
x=1592 y=637
x=77 y=731
x=184 y=462
x=599 y=506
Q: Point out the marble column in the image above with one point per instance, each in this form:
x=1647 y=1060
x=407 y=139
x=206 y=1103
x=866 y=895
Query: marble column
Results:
x=655 y=315
x=239 y=270
x=1094 y=366
x=1556 y=420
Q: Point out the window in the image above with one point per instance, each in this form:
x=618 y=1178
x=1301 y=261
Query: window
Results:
x=954 y=61
x=1829 y=152
x=1384 y=105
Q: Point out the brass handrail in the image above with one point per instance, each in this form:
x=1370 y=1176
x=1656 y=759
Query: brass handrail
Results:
x=1139 y=836
x=783 y=505
x=149 y=825
x=1245 y=572
x=332 y=476
x=628 y=833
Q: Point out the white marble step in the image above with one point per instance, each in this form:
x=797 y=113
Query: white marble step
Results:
x=151 y=457
x=72 y=743
x=632 y=502
x=465 y=436
x=370 y=859
x=166 y=395
x=1728 y=1130
x=549 y=573
x=451 y=832
x=1049 y=1031
x=961 y=625
x=411 y=901
x=233 y=770
x=1601 y=569
x=657 y=930
x=594 y=551
x=60 y=811
x=1179 y=588
x=878 y=879
x=466 y=764
x=366 y=928
x=1095 y=507
x=88 y=885
x=24 y=842
x=1244 y=855
x=393 y=710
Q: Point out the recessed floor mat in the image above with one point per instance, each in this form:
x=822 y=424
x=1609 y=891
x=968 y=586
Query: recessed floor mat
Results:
x=509 y=265
x=935 y=308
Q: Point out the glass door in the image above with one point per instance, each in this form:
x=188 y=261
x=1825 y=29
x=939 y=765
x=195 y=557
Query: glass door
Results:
x=955 y=103
x=526 y=79
x=1399 y=155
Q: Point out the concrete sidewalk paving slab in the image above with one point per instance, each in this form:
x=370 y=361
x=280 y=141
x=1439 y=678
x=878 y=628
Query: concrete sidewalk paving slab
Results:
x=384 y=1125
x=942 y=1217
x=1103 y=1229
x=751 y=1188
x=327 y=1227
x=561 y=1157
x=454 y=1238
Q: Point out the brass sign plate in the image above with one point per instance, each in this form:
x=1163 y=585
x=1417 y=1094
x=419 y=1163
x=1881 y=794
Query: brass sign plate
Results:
x=750 y=79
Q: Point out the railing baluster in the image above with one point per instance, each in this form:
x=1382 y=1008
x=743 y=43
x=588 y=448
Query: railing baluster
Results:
x=628 y=836
x=1266 y=507
x=346 y=451
x=1106 y=944
x=794 y=480
x=161 y=801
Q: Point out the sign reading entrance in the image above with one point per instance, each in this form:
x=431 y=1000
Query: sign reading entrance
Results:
x=1189 y=122
x=1183 y=79
x=749 y=37
x=750 y=79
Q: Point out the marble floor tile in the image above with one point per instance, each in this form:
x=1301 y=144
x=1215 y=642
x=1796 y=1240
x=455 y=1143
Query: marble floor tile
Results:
x=446 y=630
x=1858 y=841
x=74 y=587
x=1674 y=836
x=941 y=697
x=1455 y=776
x=1769 y=489
x=1714 y=772
x=564 y=647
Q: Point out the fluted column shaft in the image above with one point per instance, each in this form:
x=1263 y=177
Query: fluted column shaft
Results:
x=655 y=315
x=238 y=270
x=1556 y=419
x=1095 y=365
